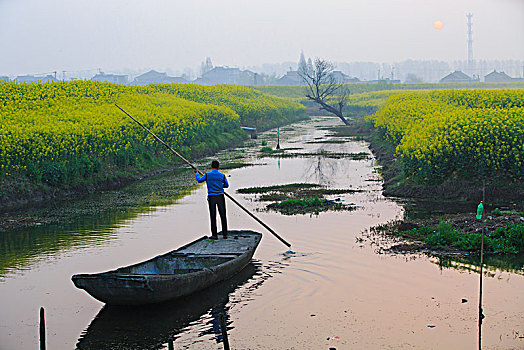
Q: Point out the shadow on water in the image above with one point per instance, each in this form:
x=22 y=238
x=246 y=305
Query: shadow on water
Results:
x=152 y=326
x=492 y=263
x=424 y=209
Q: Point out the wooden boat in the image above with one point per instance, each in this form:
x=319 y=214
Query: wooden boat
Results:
x=190 y=268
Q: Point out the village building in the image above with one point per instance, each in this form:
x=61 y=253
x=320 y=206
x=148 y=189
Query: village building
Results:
x=343 y=78
x=292 y=77
x=111 y=78
x=154 y=77
x=498 y=77
x=226 y=75
x=458 y=77
x=202 y=81
x=33 y=79
x=383 y=81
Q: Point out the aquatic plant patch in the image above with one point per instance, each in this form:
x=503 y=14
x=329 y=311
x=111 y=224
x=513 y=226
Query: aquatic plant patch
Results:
x=321 y=153
x=273 y=151
x=280 y=188
x=300 y=198
x=308 y=205
x=234 y=165
x=275 y=196
x=508 y=239
x=503 y=235
x=326 y=141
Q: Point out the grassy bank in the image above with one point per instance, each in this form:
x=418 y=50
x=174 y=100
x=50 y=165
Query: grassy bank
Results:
x=503 y=233
x=68 y=137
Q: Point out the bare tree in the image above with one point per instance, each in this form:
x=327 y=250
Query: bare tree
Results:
x=324 y=89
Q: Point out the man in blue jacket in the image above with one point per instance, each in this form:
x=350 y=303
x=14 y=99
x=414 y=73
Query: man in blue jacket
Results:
x=216 y=182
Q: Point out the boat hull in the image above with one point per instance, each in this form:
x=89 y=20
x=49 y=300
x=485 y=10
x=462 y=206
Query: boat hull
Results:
x=196 y=266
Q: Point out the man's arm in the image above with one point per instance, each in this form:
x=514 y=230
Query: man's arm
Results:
x=226 y=184
x=200 y=179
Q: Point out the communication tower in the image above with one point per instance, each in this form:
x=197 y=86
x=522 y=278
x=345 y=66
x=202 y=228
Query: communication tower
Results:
x=470 y=41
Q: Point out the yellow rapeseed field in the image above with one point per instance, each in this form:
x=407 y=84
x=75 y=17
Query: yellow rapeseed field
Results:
x=464 y=133
x=70 y=132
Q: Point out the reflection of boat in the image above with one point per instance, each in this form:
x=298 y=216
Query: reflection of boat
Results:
x=181 y=272
x=152 y=326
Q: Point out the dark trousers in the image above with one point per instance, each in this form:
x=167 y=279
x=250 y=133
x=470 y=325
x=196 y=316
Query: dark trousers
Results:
x=220 y=202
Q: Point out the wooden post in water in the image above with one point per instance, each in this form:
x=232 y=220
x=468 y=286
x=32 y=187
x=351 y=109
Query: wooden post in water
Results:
x=42 y=329
x=170 y=344
x=278 y=138
x=481 y=314
x=224 y=331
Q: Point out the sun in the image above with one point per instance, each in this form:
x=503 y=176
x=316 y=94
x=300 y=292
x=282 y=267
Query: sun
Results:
x=438 y=25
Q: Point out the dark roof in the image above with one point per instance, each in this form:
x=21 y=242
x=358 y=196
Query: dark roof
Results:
x=227 y=75
x=104 y=75
x=342 y=77
x=33 y=79
x=151 y=75
x=497 y=74
x=500 y=76
x=177 y=80
x=156 y=77
x=456 y=76
x=291 y=78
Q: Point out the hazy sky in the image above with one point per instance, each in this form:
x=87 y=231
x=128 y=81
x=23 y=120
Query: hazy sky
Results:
x=38 y=36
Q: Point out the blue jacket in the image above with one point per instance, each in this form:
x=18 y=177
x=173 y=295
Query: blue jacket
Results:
x=215 y=181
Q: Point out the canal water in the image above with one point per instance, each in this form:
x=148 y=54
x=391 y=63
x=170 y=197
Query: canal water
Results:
x=336 y=290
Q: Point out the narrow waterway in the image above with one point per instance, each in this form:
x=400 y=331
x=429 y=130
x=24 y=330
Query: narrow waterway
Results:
x=335 y=291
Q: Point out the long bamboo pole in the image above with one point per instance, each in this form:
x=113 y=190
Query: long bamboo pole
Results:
x=201 y=173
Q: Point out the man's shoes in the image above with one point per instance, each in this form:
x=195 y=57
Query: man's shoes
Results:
x=213 y=237
x=225 y=237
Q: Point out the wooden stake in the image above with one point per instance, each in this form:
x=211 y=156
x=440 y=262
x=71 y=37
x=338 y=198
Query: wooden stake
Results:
x=42 y=329
x=481 y=314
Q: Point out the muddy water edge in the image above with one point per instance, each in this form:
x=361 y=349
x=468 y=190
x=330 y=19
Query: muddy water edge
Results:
x=337 y=290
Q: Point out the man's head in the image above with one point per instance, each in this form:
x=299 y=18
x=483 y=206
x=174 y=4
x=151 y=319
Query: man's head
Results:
x=215 y=164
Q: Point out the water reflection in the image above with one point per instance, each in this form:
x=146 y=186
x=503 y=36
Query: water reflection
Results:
x=85 y=221
x=492 y=263
x=320 y=169
x=152 y=326
x=22 y=249
x=467 y=262
x=423 y=209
